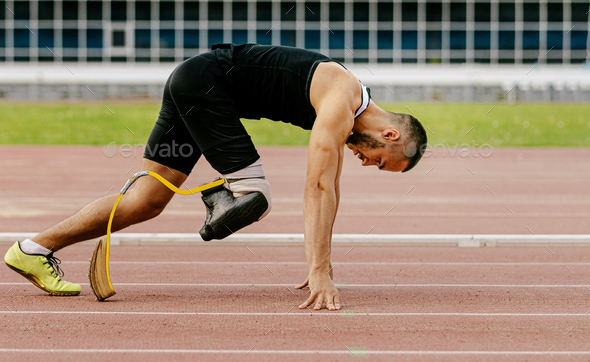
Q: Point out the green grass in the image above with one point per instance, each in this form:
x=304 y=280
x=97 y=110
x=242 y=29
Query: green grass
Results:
x=521 y=125
x=528 y=125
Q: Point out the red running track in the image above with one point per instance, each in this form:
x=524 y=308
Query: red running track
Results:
x=211 y=301
x=514 y=190
x=217 y=302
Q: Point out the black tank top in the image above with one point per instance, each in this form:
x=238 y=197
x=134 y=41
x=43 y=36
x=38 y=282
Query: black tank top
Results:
x=271 y=81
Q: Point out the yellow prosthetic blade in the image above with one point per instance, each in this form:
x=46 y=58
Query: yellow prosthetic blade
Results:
x=100 y=280
x=204 y=187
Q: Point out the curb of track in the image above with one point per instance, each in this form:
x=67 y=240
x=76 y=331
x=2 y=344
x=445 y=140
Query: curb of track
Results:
x=457 y=240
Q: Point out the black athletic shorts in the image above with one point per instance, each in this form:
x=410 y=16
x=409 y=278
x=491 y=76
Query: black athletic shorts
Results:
x=198 y=116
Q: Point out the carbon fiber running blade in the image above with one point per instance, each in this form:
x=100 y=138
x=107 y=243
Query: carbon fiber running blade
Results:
x=99 y=280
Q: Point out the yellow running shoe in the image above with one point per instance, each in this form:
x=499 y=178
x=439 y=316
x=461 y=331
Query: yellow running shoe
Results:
x=41 y=270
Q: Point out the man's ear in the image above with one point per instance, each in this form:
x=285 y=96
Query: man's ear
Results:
x=390 y=134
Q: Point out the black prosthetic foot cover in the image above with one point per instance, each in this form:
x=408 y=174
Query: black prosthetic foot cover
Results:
x=227 y=214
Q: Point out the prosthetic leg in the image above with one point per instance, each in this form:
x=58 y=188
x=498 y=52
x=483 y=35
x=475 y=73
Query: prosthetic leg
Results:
x=100 y=280
x=227 y=214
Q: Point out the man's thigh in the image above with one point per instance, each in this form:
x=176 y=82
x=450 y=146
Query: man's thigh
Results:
x=170 y=142
x=224 y=141
x=202 y=94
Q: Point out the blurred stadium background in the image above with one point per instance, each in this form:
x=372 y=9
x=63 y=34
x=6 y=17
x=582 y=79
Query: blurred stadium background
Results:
x=453 y=51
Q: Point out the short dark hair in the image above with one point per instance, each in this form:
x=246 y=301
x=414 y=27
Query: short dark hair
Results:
x=415 y=137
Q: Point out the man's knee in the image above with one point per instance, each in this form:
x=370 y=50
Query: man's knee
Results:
x=246 y=201
x=143 y=206
x=227 y=213
x=250 y=179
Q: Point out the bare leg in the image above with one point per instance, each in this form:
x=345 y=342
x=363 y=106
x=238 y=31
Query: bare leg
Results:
x=145 y=201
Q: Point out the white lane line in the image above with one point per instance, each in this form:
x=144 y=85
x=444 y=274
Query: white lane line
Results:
x=366 y=285
x=297 y=352
x=405 y=239
x=339 y=263
x=347 y=285
x=304 y=314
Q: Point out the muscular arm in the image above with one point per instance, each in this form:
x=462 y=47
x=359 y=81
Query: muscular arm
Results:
x=335 y=107
x=321 y=199
x=311 y=201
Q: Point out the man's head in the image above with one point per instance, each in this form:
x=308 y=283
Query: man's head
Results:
x=394 y=147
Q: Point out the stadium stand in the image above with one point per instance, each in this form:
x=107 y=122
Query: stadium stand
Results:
x=406 y=50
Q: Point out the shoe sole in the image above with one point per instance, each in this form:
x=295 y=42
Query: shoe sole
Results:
x=39 y=284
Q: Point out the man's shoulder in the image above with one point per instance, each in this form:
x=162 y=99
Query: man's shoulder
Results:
x=331 y=80
x=333 y=68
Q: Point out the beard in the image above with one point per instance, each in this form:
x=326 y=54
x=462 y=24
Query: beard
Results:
x=364 y=141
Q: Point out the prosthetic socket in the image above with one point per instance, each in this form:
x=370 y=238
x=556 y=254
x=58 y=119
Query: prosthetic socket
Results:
x=246 y=201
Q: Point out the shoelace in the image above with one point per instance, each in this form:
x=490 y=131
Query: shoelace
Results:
x=54 y=262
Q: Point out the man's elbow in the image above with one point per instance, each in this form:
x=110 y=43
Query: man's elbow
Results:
x=314 y=187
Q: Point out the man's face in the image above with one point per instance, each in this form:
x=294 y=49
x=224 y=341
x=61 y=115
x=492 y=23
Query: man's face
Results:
x=373 y=152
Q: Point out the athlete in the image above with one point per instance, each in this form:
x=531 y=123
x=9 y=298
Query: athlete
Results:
x=204 y=99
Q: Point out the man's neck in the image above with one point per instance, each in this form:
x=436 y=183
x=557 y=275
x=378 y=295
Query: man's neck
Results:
x=370 y=120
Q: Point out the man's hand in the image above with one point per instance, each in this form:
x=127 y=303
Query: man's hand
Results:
x=323 y=292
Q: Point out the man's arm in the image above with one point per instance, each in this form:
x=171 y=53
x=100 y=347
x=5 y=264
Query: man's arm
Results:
x=335 y=109
x=337 y=189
